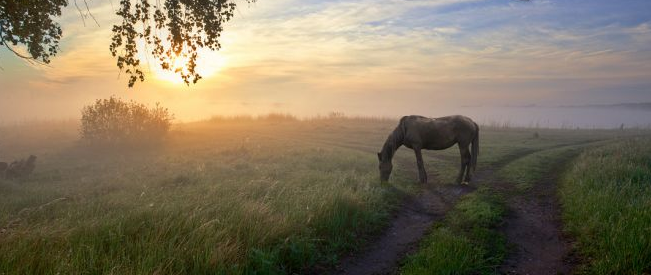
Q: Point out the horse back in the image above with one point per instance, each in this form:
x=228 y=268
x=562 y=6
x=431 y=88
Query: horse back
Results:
x=438 y=133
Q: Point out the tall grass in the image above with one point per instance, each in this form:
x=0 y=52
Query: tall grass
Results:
x=218 y=201
x=606 y=197
x=233 y=196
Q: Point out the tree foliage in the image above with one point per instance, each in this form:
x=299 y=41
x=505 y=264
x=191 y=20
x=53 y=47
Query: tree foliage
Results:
x=169 y=30
x=30 y=23
x=115 y=121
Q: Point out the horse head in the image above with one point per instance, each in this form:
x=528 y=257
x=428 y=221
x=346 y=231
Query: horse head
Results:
x=385 y=167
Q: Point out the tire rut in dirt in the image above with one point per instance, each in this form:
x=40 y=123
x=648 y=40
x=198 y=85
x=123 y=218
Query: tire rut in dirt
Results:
x=409 y=225
x=533 y=227
x=412 y=221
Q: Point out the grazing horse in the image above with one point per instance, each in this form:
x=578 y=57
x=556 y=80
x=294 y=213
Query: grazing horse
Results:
x=417 y=133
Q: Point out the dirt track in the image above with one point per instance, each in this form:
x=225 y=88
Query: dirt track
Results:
x=411 y=222
x=534 y=228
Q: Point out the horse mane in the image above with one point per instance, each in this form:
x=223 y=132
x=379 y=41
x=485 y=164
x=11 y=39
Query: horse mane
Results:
x=394 y=141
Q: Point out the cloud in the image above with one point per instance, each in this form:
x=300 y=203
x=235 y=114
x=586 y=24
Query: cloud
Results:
x=643 y=28
x=363 y=55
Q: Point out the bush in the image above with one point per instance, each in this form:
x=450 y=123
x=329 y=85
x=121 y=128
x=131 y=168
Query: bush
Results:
x=115 y=121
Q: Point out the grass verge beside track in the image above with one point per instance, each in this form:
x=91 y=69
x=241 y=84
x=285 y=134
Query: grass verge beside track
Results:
x=606 y=197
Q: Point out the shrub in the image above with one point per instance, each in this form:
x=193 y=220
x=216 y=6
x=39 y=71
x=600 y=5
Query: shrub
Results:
x=115 y=121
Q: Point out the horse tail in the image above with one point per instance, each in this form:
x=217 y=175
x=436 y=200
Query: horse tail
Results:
x=475 y=148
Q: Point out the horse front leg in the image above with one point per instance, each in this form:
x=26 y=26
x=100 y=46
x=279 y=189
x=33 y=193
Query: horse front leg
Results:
x=422 y=174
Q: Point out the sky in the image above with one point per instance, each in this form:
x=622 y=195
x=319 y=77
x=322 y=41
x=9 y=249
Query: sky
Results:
x=362 y=57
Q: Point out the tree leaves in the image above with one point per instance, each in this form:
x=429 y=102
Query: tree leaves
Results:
x=178 y=30
x=168 y=30
x=29 y=22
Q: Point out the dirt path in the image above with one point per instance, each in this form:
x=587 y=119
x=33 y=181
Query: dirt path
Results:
x=533 y=226
x=412 y=221
x=410 y=224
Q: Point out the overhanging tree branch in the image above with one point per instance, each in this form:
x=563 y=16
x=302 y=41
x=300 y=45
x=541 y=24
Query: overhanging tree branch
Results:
x=16 y=53
x=171 y=30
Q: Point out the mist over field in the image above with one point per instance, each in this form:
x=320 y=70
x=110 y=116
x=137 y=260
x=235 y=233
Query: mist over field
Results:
x=602 y=117
x=561 y=117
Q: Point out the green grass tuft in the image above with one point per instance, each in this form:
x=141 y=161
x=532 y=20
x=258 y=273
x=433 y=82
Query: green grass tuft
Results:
x=466 y=242
x=447 y=252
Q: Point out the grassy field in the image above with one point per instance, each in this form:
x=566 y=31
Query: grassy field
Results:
x=468 y=240
x=607 y=199
x=217 y=197
x=240 y=196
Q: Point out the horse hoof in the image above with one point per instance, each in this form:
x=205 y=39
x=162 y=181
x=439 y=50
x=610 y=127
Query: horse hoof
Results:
x=465 y=183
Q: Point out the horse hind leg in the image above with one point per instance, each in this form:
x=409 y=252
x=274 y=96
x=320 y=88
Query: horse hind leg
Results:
x=467 y=159
x=462 y=169
x=422 y=174
x=465 y=165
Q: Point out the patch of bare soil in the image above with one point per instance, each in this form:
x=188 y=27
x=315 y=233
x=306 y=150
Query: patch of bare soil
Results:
x=533 y=227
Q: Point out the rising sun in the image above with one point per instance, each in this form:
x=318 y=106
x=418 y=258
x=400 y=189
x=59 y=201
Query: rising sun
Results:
x=209 y=64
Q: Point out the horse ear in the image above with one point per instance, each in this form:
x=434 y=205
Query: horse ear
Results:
x=379 y=156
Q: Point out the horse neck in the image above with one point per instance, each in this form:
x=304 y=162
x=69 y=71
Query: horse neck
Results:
x=391 y=145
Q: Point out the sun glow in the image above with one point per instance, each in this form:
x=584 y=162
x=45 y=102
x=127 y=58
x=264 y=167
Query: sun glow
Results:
x=209 y=63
